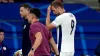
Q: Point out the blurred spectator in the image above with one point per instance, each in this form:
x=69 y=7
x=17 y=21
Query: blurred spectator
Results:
x=4 y=51
x=11 y=1
x=6 y=1
x=36 y=1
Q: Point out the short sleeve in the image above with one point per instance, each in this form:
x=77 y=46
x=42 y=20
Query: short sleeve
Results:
x=34 y=29
x=57 y=21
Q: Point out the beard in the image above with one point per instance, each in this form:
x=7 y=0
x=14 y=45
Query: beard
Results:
x=57 y=14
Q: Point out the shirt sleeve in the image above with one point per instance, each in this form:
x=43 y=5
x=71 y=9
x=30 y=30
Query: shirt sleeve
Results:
x=34 y=29
x=57 y=21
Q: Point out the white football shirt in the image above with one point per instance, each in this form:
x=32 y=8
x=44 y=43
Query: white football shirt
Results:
x=67 y=21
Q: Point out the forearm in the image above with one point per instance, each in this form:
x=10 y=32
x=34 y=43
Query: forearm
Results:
x=55 y=49
x=48 y=19
x=54 y=46
x=37 y=43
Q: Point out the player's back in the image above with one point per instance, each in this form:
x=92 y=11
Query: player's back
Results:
x=68 y=25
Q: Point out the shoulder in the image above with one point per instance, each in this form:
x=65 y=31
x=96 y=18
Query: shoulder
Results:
x=35 y=25
x=69 y=14
x=64 y=15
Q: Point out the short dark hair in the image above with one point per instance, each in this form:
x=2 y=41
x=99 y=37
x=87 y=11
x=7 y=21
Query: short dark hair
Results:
x=36 y=12
x=57 y=4
x=25 y=5
x=1 y=30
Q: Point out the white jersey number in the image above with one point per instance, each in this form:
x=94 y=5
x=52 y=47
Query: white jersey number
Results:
x=72 y=26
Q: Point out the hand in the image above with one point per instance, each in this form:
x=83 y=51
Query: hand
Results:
x=16 y=54
x=57 y=55
x=49 y=9
x=31 y=53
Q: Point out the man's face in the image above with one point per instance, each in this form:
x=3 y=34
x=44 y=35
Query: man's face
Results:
x=23 y=12
x=55 y=10
x=30 y=17
x=1 y=36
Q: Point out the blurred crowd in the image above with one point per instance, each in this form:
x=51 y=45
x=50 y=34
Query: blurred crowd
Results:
x=6 y=1
x=36 y=1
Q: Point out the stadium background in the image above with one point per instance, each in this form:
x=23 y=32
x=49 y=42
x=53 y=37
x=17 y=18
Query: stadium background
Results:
x=87 y=34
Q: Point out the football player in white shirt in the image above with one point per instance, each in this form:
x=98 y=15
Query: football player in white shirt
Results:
x=66 y=25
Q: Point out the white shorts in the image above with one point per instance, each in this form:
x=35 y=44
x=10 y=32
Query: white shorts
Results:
x=66 y=54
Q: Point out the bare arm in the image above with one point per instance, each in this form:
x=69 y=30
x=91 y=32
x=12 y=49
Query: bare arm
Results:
x=48 y=17
x=38 y=40
x=52 y=42
x=48 y=24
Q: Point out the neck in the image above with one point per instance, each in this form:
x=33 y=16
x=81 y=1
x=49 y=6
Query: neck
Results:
x=26 y=16
x=62 y=11
x=34 y=20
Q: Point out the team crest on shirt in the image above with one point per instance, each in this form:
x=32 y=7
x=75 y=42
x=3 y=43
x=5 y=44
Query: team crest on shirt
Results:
x=24 y=26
